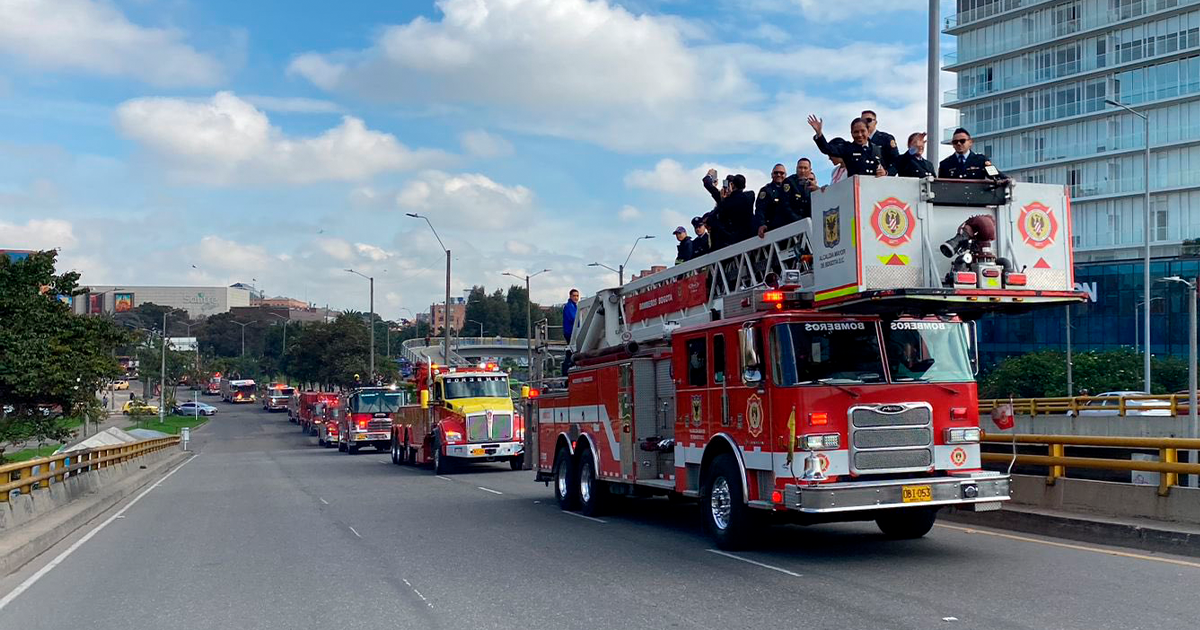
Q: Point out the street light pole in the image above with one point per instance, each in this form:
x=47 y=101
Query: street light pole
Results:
x=1146 y=233
x=621 y=268
x=932 y=104
x=446 y=314
x=371 y=281
x=244 y=334
x=162 y=375
x=1193 y=423
x=529 y=315
x=480 y=326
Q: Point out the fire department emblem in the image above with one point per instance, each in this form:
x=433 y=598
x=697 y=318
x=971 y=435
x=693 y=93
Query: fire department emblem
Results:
x=754 y=416
x=1038 y=225
x=696 y=410
x=833 y=226
x=958 y=456
x=893 y=222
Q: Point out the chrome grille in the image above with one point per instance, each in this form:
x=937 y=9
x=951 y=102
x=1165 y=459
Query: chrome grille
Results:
x=379 y=424
x=477 y=428
x=891 y=438
x=885 y=438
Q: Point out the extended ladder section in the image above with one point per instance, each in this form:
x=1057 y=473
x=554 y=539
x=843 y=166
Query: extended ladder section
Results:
x=886 y=245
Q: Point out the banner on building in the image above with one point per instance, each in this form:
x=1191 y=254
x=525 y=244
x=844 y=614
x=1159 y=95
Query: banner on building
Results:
x=122 y=302
x=96 y=303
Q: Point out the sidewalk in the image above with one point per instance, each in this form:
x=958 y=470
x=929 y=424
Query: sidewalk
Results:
x=1137 y=533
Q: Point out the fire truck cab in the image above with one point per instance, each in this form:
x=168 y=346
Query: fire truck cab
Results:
x=277 y=397
x=366 y=418
x=465 y=414
x=818 y=374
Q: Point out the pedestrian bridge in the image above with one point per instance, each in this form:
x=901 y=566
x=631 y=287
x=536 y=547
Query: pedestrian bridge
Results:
x=464 y=350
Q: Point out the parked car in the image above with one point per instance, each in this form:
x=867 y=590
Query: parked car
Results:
x=121 y=385
x=1135 y=407
x=195 y=409
x=138 y=406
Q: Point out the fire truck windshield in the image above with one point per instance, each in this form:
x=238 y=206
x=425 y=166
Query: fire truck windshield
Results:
x=282 y=391
x=376 y=402
x=477 y=387
x=244 y=390
x=813 y=353
x=927 y=351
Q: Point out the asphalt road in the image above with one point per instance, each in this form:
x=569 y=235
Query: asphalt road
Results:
x=262 y=529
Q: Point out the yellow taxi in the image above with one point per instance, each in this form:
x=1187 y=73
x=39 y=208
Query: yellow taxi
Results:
x=138 y=406
x=121 y=385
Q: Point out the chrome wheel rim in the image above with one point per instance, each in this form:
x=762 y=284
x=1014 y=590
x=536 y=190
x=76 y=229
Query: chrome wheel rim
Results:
x=586 y=475
x=720 y=503
x=560 y=480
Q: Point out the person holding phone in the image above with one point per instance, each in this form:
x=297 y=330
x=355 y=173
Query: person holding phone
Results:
x=799 y=187
x=730 y=221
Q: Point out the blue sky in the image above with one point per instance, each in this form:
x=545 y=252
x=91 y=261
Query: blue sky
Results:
x=211 y=142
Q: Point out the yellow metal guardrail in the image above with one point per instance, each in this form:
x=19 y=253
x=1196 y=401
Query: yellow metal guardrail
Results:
x=1168 y=465
x=25 y=476
x=1174 y=404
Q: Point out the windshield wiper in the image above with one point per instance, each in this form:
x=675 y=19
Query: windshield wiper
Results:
x=829 y=382
x=925 y=380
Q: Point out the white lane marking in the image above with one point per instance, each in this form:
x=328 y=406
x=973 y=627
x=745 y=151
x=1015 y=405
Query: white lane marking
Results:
x=409 y=585
x=443 y=478
x=949 y=618
x=323 y=501
x=1111 y=552
x=587 y=517
x=489 y=490
x=31 y=580
x=754 y=562
x=356 y=532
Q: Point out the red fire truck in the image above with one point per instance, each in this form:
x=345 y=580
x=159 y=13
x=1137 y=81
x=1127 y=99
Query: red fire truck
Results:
x=276 y=396
x=238 y=390
x=327 y=431
x=213 y=386
x=366 y=418
x=819 y=374
x=465 y=414
x=306 y=416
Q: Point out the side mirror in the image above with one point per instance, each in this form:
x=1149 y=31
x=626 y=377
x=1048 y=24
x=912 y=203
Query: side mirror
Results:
x=424 y=398
x=751 y=362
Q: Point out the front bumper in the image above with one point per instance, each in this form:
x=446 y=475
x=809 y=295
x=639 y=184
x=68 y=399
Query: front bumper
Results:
x=989 y=488
x=371 y=437
x=485 y=451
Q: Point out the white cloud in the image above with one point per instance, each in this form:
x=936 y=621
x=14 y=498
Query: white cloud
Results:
x=293 y=104
x=95 y=37
x=517 y=247
x=540 y=54
x=485 y=145
x=39 y=234
x=670 y=177
x=629 y=213
x=470 y=200
x=832 y=11
x=226 y=141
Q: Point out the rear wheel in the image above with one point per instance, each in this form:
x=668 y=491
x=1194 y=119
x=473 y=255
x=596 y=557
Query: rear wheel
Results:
x=565 y=488
x=592 y=492
x=517 y=462
x=320 y=440
x=395 y=452
x=726 y=516
x=906 y=524
x=351 y=447
x=341 y=445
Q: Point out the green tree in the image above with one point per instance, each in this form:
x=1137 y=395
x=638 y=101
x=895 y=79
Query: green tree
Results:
x=1044 y=374
x=53 y=360
x=150 y=316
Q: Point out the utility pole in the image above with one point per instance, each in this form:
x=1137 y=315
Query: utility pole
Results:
x=528 y=316
x=933 y=103
x=1145 y=116
x=162 y=376
x=1070 y=365
x=370 y=280
x=244 y=334
x=446 y=313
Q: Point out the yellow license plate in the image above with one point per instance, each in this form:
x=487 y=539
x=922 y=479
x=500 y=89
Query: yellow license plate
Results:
x=360 y=437
x=918 y=494
x=477 y=451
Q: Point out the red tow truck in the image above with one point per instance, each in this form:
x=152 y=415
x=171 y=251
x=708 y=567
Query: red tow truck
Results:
x=820 y=374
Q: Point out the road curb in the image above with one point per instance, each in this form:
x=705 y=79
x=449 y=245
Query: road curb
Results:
x=23 y=543
x=1085 y=528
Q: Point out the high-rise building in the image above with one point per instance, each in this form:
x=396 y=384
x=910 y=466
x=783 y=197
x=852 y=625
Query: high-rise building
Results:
x=1033 y=78
x=458 y=314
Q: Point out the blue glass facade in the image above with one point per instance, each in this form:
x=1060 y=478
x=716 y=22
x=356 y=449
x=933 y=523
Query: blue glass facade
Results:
x=1108 y=321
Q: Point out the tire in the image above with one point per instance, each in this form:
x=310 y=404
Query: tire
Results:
x=351 y=448
x=722 y=505
x=412 y=455
x=593 y=493
x=441 y=463
x=341 y=446
x=566 y=490
x=517 y=462
x=320 y=440
x=907 y=523
x=395 y=452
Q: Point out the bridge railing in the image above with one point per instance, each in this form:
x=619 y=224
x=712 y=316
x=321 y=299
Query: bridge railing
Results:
x=25 y=477
x=1132 y=405
x=1168 y=465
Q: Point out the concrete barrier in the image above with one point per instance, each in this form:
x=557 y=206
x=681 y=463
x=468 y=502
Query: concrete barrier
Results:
x=1100 y=426
x=32 y=523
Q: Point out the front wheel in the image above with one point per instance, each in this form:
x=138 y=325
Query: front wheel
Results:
x=395 y=452
x=907 y=524
x=351 y=448
x=341 y=446
x=726 y=516
x=441 y=465
x=517 y=462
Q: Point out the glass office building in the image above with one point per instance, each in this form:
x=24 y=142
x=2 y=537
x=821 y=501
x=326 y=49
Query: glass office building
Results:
x=1032 y=80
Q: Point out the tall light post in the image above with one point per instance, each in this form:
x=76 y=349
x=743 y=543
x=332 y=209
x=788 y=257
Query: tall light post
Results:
x=933 y=73
x=1193 y=424
x=286 y=321
x=480 y=326
x=371 y=281
x=1146 y=233
x=162 y=375
x=621 y=269
x=528 y=314
x=1137 y=313
x=530 y=427
x=196 y=341
x=446 y=314
x=244 y=333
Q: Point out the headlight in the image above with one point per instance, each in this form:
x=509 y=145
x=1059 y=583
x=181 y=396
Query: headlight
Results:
x=822 y=442
x=453 y=436
x=962 y=436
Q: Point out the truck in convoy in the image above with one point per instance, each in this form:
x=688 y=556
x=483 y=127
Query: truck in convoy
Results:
x=238 y=390
x=823 y=373
x=366 y=418
x=277 y=396
x=465 y=414
x=307 y=416
x=327 y=430
x=213 y=386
